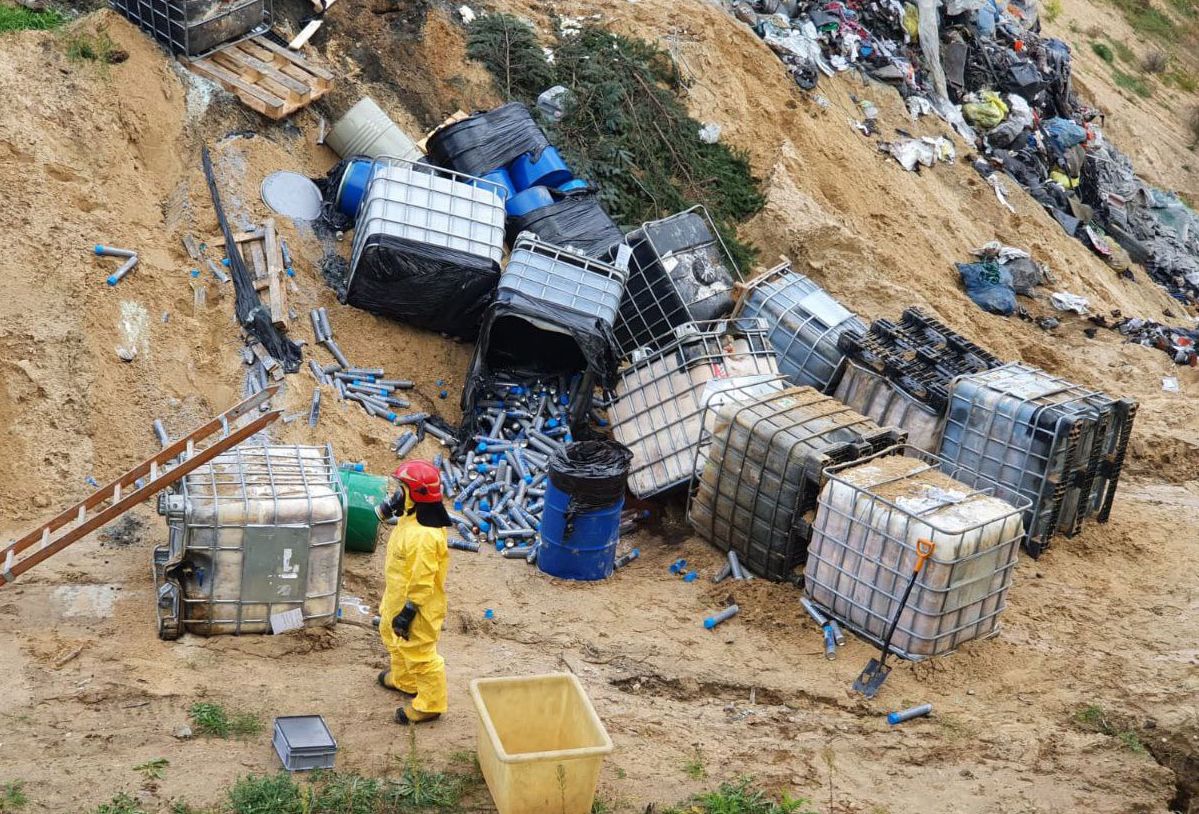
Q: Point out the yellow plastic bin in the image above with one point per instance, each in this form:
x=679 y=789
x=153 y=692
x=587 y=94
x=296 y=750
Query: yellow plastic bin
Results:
x=541 y=745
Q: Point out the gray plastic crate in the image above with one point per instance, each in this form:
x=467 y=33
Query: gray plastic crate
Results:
x=437 y=207
x=805 y=324
x=562 y=278
x=304 y=742
x=659 y=402
x=862 y=554
x=1060 y=445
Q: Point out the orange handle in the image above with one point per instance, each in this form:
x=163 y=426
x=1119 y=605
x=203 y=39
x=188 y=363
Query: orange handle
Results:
x=924 y=550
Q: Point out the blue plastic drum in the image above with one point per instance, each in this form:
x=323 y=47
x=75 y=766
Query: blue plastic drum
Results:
x=531 y=199
x=549 y=170
x=584 y=548
x=353 y=186
x=498 y=178
x=573 y=184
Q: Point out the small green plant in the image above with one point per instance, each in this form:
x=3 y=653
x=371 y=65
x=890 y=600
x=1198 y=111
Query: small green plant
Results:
x=1103 y=52
x=694 y=766
x=269 y=794
x=93 y=48
x=1155 y=62
x=347 y=794
x=1123 y=52
x=601 y=806
x=741 y=798
x=1052 y=10
x=180 y=807
x=12 y=796
x=621 y=774
x=213 y=720
x=1135 y=84
x=153 y=769
x=1146 y=19
x=419 y=787
x=121 y=804
x=1093 y=718
x=19 y=18
x=1183 y=80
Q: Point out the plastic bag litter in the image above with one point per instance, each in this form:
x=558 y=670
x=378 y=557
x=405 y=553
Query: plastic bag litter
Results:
x=555 y=101
x=985 y=110
x=1019 y=111
x=911 y=153
x=1063 y=133
x=989 y=285
x=709 y=133
x=1026 y=273
x=1000 y=192
x=593 y=473
x=574 y=221
x=1065 y=301
x=487 y=141
x=919 y=106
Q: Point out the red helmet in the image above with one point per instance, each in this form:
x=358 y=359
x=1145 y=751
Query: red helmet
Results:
x=422 y=479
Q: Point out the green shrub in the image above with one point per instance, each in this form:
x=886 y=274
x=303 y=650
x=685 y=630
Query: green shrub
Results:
x=1132 y=83
x=19 y=18
x=214 y=720
x=1103 y=52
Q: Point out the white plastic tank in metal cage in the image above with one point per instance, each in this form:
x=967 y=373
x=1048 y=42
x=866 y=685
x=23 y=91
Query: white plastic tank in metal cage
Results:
x=761 y=465
x=863 y=552
x=561 y=278
x=194 y=28
x=427 y=246
x=1060 y=445
x=254 y=533
x=659 y=399
x=805 y=323
x=680 y=271
x=877 y=397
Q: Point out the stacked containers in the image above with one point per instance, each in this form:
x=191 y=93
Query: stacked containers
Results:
x=659 y=400
x=863 y=552
x=680 y=271
x=764 y=467
x=805 y=323
x=256 y=532
x=427 y=246
x=1059 y=445
x=877 y=397
x=564 y=279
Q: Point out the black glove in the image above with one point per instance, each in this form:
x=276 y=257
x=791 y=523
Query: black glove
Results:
x=402 y=622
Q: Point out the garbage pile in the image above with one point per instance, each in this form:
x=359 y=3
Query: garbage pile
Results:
x=1181 y=344
x=1007 y=90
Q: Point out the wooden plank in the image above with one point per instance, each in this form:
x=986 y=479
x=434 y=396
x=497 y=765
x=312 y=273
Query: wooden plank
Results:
x=238 y=237
x=251 y=95
x=258 y=261
x=263 y=69
x=274 y=272
x=315 y=70
x=305 y=35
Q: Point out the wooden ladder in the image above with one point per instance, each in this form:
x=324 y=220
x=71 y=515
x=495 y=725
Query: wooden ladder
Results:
x=114 y=499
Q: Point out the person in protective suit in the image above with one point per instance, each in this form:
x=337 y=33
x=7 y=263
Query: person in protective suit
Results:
x=414 y=603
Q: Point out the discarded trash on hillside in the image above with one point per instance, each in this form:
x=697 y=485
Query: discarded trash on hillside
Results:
x=1065 y=301
x=1026 y=273
x=990 y=286
x=922 y=152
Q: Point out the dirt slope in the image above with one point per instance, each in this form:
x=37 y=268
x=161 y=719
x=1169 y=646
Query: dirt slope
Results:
x=89 y=155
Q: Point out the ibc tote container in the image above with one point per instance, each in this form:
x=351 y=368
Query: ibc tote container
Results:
x=659 y=400
x=680 y=271
x=879 y=398
x=195 y=28
x=763 y=463
x=805 y=323
x=561 y=278
x=1059 y=445
x=255 y=532
x=863 y=552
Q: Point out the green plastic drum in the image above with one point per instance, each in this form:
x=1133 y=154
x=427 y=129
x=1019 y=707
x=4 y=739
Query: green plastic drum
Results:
x=363 y=492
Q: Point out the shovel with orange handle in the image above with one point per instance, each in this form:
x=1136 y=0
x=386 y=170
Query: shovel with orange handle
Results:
x=876 y=671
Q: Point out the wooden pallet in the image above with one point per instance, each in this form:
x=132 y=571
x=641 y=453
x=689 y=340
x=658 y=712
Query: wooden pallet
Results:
x=265 y=76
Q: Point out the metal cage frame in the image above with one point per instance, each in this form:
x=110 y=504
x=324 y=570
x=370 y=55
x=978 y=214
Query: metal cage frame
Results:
x=651 y=324
x=658 y=401
x=273 y=467
x=799 y=360
x=1084 y=435
x=977 y=581
x=166 y=22
x=567 y=281
x=769 y=533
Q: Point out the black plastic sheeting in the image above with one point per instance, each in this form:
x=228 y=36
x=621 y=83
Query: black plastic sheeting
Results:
x=697 y=269
x=328 y=185
x=593 y=473
x=487 y=141
x=530 y=338
x=444 y=290
x=251 y=314
x=574 y=220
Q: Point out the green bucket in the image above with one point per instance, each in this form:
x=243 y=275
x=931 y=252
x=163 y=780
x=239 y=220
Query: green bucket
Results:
x=363 y=493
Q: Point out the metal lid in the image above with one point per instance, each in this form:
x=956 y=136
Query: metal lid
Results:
x=292 y=195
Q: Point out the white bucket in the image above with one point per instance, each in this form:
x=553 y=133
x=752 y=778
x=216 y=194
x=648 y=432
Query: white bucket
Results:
x=366 y=130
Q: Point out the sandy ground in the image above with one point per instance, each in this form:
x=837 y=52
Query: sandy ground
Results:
x=112 y=155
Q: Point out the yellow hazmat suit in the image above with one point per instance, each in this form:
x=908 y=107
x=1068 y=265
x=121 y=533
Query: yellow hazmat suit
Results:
x=417 y=562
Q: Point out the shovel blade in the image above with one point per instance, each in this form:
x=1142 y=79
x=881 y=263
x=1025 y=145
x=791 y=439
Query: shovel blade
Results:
x=872 y=678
